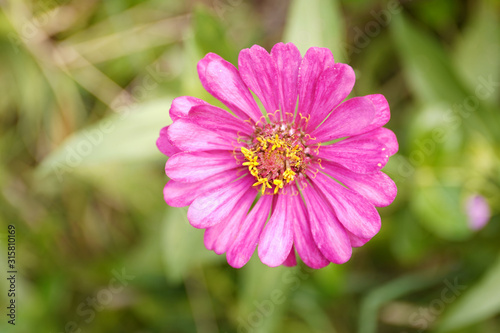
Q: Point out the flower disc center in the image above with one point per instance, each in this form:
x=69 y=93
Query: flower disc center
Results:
x=276 y=155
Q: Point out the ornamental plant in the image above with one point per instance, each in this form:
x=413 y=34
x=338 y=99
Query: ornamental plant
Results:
x=300 y=177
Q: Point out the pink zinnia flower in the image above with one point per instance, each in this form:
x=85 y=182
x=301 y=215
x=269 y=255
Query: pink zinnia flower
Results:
x=302 y=176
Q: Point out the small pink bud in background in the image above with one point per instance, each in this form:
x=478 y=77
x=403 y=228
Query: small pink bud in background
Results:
x=478 y=212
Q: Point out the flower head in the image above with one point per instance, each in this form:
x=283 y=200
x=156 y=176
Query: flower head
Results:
x=302 y=176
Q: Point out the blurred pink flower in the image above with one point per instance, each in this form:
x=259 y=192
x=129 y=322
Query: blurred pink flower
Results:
x=302 y=177
x=478 y=212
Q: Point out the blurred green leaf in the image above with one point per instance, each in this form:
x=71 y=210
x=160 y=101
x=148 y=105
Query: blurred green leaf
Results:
x=316 y=23
x=439 y=209
x=412 y=243
x=427 y=66
x=331 y=279
x=438 y=14
x=210 y=35
x=372 y=65
x=389 y=291
x=432 y=77
x=190 y=80
x=120 y=138
x=478 y=303
x=307 y=307
x=434 y=136
x=183 y=245
x=478 y=50
x=265 y=293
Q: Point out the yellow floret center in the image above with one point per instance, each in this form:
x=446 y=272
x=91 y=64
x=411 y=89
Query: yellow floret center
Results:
x=273 y=161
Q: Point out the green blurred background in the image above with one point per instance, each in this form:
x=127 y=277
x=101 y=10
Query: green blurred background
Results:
x=86 y=87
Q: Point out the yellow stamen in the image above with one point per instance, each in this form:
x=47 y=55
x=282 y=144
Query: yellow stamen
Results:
x=256 y=157
x=289 y=175
x=279 y=184
x=264 y=182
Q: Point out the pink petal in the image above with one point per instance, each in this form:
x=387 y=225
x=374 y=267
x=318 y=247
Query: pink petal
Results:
x=219 y=120
x=221 y=236
x=181 y=106
x=197 y=166
x=382 y=111
x=188 y=136
x=277 y=237
x=211 y=234
x=387 y=137
x=287 y=60
x=213 y=207
x=302 y=236
x=315 y=61
x=362 y=153
x=349 y=118
x=327 y=231
x=334 y=85
x=221 y=79
x=178 y=194
x=259 y=73
x=352 y=210
x=164 y=145
x=244 y=246
x=203 y=63
x=291 y=260
x=376 y=187
x=357 y=241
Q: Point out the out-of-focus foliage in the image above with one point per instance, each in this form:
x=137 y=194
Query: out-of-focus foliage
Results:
x=86 y=87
